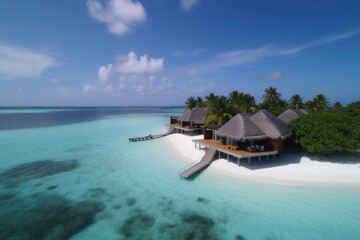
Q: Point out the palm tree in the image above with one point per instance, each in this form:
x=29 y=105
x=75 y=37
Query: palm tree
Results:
x=210 y=99
x=337 y=106
x=190 y=103
x=311 y=106
x=199 y=102
x=296 y=102
x=236 y=99
x=219 y=112
x=249 y=103
x=271 y=97
x=321 y=102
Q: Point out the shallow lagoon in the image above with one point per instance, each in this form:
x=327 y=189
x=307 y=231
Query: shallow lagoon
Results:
x=109 y=188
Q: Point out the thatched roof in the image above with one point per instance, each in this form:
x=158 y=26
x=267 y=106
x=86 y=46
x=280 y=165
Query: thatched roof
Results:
x=241 y=127
x=291 y=114
x=197 y=115
x=272 y=126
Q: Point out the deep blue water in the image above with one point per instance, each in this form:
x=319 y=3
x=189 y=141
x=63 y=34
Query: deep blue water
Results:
x=18 y=118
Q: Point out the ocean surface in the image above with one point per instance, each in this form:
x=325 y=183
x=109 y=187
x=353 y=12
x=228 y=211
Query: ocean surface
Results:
x=71 y=173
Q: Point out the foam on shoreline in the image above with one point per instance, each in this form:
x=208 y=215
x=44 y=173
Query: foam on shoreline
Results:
x=289 y=169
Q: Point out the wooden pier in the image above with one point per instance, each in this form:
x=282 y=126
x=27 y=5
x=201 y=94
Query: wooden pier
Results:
x=148 y=137
x=205 y=161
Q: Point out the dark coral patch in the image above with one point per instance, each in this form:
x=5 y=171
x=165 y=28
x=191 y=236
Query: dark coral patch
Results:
x=137 y=226
x=28 y=171
x=96 y=192
x=5 y=196
x=43 y=216
x=131 y=202
x=52 y=187
x=196 y=226
x=202 y=200
x=240 y=237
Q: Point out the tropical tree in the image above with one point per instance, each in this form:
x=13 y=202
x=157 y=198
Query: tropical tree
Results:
x=219 y=111
x=296 y=102
x=328 y=131
x=199 y=102
x=242 y=102
x=337 y=106
x=271 y=97
x=210 y=99
x=190 y=103
x=236 y=101
x=249 y=103
x=320 y=103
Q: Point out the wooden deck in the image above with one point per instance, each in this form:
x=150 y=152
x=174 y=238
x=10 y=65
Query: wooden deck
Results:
x=147 y=137
x=184 y=129
x=205 y=161
x=230 y=151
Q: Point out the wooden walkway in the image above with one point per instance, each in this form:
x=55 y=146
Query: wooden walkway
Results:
x=205 y=161
x=148 y=137
x=239 y=154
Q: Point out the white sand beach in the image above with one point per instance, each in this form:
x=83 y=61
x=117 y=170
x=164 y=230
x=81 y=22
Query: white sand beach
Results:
x=289 y=169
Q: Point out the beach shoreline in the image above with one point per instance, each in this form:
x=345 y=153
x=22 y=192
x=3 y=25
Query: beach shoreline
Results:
x=287 y=169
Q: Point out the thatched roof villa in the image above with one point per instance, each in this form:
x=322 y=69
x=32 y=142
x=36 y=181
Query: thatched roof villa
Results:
x=270 y=125
x=241 y=128
x=191 y=121
x=245 y=136
x=262 y=128
x=291 y=114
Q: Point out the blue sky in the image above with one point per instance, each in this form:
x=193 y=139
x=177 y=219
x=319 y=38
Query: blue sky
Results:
x=159 y=52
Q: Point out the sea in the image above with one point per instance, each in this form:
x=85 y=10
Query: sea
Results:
x=71 y=173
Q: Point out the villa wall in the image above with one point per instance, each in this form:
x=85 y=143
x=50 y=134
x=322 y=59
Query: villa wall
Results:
x=275 y=144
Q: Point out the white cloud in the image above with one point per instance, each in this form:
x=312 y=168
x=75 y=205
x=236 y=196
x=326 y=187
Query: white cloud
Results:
x=275 y=76
x=143 y=64
x=119 y=15
x=104 y=73
x=109 y=88
x=54 y=81
x=179 y=54
x=194 y=53
x=17 y=62
x=241 y=57
x=192 y=72
x=187 y=5
x=89 y=88
x=197 y=52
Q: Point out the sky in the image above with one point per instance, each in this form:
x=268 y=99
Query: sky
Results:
x=160 y=52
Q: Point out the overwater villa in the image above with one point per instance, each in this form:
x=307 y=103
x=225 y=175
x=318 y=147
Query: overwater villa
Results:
x=246 y=136
x=191 y=122
x=291 y=114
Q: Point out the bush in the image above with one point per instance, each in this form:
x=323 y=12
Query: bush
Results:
x=329 y=132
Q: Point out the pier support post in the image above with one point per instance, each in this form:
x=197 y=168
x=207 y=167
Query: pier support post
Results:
x=248 y=160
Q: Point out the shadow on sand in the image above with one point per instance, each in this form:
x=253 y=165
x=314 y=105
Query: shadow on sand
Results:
x=290 y=156
x=294 y=155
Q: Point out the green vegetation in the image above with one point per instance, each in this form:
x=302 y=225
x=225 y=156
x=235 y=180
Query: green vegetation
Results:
x=329 y=131
x=219 y=111
x=296 y=102
x=326 y=130
x=320 y=103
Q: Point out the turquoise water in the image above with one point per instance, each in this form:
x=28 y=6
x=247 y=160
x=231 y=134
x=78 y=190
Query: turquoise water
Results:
x=115 y=189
